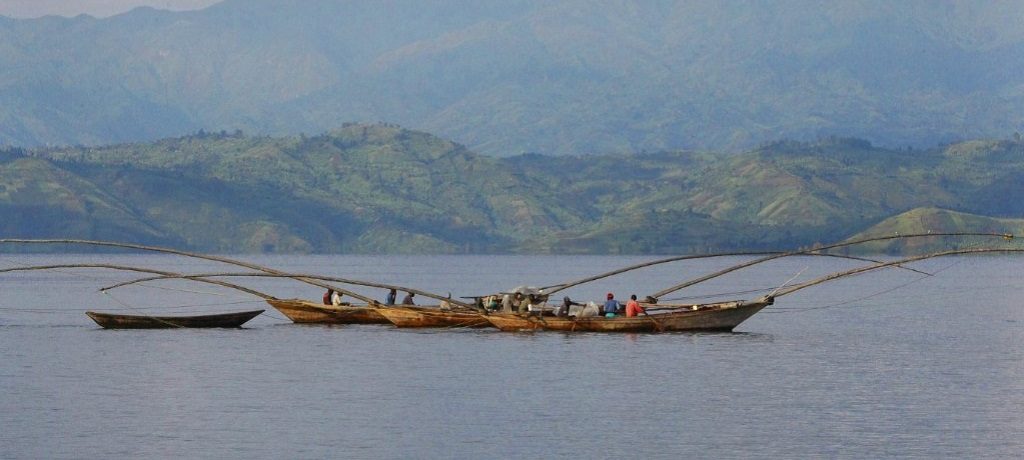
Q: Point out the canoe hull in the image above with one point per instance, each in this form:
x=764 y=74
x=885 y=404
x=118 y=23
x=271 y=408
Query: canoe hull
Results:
x=304 y=311
x=228 y=320
x=432 y=317
x=714 y=317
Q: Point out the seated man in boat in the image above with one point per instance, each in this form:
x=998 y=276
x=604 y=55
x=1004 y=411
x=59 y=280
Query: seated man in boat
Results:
x=328 y=296
x=390 y=299
x=336 y=299
x=408 y=299
x=633 y=307
x=612 y=307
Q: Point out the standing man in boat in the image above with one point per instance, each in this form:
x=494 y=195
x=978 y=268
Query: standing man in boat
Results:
x=567 y=304
x=519 y=303
x=390 y=299
x=408 y=299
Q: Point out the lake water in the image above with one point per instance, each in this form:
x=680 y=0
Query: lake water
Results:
x=891 y=364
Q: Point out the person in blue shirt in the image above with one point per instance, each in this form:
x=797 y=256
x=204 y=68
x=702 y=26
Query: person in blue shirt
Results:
x=612 y=307
x=390 y=300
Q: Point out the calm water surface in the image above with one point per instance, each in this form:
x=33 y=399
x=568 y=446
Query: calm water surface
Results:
x=885 y=365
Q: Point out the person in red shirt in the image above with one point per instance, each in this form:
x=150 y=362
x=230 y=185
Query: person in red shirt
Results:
x=633 y=307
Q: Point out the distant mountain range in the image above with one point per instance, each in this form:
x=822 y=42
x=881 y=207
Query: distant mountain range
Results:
x=383 y=189
x=516 y=76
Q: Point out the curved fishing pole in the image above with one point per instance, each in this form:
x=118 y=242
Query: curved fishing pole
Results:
x=857 y=271
x=691 y=257
x=186 y=254
x=654 y=297
x=294 y=275
x=140 y=270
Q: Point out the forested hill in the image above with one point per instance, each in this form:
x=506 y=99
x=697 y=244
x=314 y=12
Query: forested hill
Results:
x=514 y=76
x=381 y=188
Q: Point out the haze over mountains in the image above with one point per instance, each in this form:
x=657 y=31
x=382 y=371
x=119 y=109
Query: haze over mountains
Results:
x=513 y=76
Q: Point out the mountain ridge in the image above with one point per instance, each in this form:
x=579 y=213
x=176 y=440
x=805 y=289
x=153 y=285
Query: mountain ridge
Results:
x=368 y=188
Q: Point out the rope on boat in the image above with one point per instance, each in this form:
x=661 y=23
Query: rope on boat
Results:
x=860 y=270
x=59 y=267
x=148 y=316
x=186 y=254
x=869 y=296
x=453 y=302
x=140 y=270
x=772 y=294
x=564 y=286
x=720 y=294
x=28 y=266
x=817 y=250
x=173 y=307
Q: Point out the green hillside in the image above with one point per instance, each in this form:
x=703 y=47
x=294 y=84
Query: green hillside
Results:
x=925 y=220
x=381 y=188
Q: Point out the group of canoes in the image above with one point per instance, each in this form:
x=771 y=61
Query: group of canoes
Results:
x=649 y=315
x=719 y=316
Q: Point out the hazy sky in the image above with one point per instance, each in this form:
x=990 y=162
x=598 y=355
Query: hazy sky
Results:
x=98 y=8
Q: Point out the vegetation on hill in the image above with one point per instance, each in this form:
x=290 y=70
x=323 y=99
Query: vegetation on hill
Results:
x=380 y=188
x=934 y=220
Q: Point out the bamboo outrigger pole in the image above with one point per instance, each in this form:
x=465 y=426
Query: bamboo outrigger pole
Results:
x=653 y=298
x=186 y=254
x=295 y=275
x=857 y=271
x=564 y=286
x=141 y=270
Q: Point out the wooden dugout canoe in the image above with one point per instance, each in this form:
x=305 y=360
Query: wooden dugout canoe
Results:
x=723 y=316
x=432 y=317
x=113 y=321
x=304 y=311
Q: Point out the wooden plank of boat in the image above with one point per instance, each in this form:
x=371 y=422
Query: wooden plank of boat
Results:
x=724 y=316
x=304 y=311
x=113 y=321
x=432 y=317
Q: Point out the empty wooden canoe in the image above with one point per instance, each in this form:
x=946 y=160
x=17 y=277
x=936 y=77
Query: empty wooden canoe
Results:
x=112 y=321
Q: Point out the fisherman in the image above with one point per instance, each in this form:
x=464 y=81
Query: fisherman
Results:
x=518 y=304
x=492 y=303
x=336 y=299
x=611 y=306
x=390 y=299
x=567 y=304
x=530 y=302
x=633 y=307
x=328 y=296
x=506 y=303
x=408 y=299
